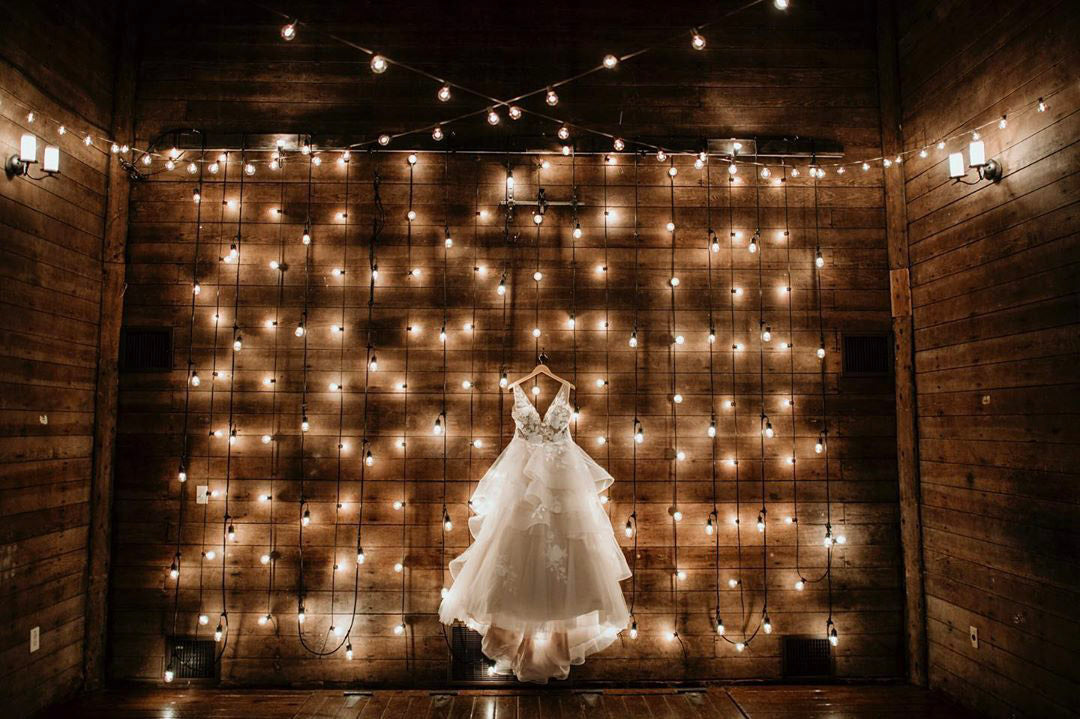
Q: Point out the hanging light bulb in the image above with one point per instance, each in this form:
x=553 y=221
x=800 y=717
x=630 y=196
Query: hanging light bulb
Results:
x=174 y=570
x=437 y=133
x=761 y=521
x=680 y=574
x=819 y=446
x=633 y=342
x=674 y=281
x=619 y=144
x=399 y=567
x=639 y=431
x=821 y=350
x=379 y=64
x=610 y=61
x=503 y=380
x=231 y=533
x=514 y=112
x=169 y=673
x=714 y=241
x=819 y=261
x=196 y=196
x=444 y=93
x=831 y=628
x=1041 y=106
x=766 y=625
x=711 y=432
x=628 y=530
x=305 y=425
x=360 y=557
x=299 y=331
x=672 y=171
x=238 y=343
x=305 y=518
x=437 y=428
x=709 y=527
x=733 y=169
x=712 y=335
x=753 y=246
x=536 y=332
x=551 y=98
x=768 y=431
x=218 y=632
x=766 y=334
x=697 y=40
x=447 y=524
x=493 y=117
x=384 y=139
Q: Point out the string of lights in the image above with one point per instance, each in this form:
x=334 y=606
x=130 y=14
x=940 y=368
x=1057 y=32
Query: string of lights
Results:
x=174 y=157
x=639 y=430
x=437 y=426
x=678 y=574
x=712 y=247
x=766 y=429
x=447 y=525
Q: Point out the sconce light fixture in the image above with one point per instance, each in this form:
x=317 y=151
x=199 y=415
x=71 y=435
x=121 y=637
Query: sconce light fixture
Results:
x=19 y=164
x=987 y=169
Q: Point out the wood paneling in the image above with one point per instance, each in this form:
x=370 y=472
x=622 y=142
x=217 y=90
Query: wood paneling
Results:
x=231 y=73
x=996 y=311
x=50 y=262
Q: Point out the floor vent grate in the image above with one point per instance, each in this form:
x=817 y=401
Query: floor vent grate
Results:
x=467 y=661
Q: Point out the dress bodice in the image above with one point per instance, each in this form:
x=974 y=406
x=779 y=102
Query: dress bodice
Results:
x=553 y=426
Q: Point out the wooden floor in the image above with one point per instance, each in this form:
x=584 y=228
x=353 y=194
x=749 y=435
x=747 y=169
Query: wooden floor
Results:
x=715 y=702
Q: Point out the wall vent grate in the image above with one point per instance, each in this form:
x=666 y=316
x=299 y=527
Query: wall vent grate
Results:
x=146 y=350
x=866 y=355
x=192 y=658
x=807 y=658
x=467 y=660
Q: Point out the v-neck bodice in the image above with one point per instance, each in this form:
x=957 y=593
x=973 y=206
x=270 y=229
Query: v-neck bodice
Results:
x=552 y=427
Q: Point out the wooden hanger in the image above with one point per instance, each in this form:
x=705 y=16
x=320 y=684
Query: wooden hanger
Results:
x=539 y=369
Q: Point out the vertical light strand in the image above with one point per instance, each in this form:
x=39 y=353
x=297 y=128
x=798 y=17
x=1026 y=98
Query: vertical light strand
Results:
x=337 y=563
x=536 y=282
x=829 y=540
x=274 y=434
x=607 y=332
x=305 y=426
x=507 y=266
x=208 y=555
x=574 y=237
x=404 y=499
x=735 y=582
x=713 y=519
x=677 y=573
x=639 y=431
x=227 y=527
x=765 y=430
x=445 y=519
x=182 y=470
x=474 y=331
x=789 y=291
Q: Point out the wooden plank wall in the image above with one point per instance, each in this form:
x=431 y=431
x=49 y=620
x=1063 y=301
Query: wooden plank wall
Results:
x=50 y=261
x=815 y=75
x=994 y=289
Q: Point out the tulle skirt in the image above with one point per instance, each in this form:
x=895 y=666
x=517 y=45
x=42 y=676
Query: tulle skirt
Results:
x=541 y=580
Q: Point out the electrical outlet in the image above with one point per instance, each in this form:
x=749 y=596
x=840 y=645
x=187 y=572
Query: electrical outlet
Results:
x=35 y=639
x=973 y=633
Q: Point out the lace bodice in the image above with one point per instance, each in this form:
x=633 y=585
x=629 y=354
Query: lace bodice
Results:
x=552 y=427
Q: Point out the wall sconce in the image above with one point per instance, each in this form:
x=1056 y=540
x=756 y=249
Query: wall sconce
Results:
x=988 y=169
x=19 y=164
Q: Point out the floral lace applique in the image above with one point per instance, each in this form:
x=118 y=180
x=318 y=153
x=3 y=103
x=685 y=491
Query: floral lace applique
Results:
x=556 y=561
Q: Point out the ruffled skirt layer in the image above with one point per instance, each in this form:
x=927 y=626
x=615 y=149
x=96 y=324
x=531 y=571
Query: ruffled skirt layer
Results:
x=541 y=580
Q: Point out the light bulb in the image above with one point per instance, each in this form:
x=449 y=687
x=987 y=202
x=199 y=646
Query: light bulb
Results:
x=466 y=384
x=680 y=456
x=266 y=439
x=538 y=217
x=379 y=64
x=733 y=169
x=348 y=652
x=169 y=674
x=398 y=567
x=373 y=365
x=551 y=98
x=732 y=583
x=231 y=533
x=677 y=398
x=601 y=440
x=211 y=554
x=619 y=144
x=384 y=139
x=577 y=231
x=305 y=519
x=410 y=215
x=478 y=443
x=766 y=334
x=819 y=261
x=238 y=343
x=301 y=615
x=501 y=289
x=766 y=625
x=629 y=529
x=369 y=459
x=360 y=555
x=399 y=629
x=633 y=342
x=674 y=281
x=514 y=112
x=437 y=428
x=676 y=514
x=610 y=61
x=711 y=432
x=174 y=570
x=821 y=351
x=398 y=505
x=503 y=381
x=264 y=559
x=411 y=159
x=697 y=40
x=437 y=134
x=442 y=335
x=761 y=522
x=536 y=332
x=204 y=619
x=800 y=585
x=680 y=574
x=672 y=171
x=709 y=528
x=819 y=446
x=712 y=336
x=538 y=276
x=493 y=117
x=570 y=322
x=670 y=226
x=447 y=524
x=768 y=431
x=633 y=630
x=1042 y=105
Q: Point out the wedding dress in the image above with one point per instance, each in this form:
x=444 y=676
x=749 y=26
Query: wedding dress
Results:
x=541 y=580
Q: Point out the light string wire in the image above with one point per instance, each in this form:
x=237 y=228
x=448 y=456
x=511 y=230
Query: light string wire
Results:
x=405 y=408
x=184 y=448
x=227 y=527
x=341 y=407
x=275 y=427
x=446 y=430
x=472 y=323
x=763 y=515
x=675 y=511
x=711 y=523
x=536 y=277
x=631 y=523
x=607 y=332
x=1038 y=104
x=494 y=102
x=829 y=541
x=508 y=202
x=218 y=280
x=573 y=285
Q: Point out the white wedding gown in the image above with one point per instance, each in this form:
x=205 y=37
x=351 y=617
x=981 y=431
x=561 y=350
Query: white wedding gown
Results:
x=541 y=580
